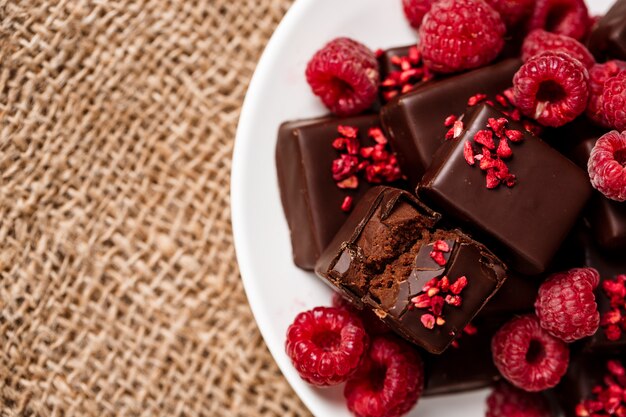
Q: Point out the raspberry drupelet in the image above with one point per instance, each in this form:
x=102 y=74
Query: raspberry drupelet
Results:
x=458 y=35
x=528 y=356
x=614 y=101
x=607 y=165
x=598 y=75
x=326 y=345
x=414 y=10
x=540 y=41
x=508 y=401
x=566 y=305
x=565 y=17
x=344 y=74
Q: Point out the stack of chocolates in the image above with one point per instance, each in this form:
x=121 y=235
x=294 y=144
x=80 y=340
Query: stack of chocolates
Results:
x=466 y=200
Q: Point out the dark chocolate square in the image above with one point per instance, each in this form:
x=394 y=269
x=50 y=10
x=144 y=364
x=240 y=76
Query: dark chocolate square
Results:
x=608 y=38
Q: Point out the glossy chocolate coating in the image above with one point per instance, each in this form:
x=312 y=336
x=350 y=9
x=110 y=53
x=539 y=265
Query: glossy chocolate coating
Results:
x=528 y=221
x=310 y=197
x=608 y=38
x=380 y=259
x=415 y=120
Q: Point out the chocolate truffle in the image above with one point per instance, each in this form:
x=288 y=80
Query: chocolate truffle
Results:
x=529 y=220
x=388 y=255
x=415 y=121
x=608 y=38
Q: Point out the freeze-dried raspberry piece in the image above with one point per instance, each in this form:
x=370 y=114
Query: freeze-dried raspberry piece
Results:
x=528 y=356
x=607 y=165
x=551 y=88
x=390 y=381
x=513 y=12
x=414 y=10
x=598 y=75
x=566 y=305
x=540 y=41
x=344 y=74
x=461 y=34
x=565 y=17
x=508 y=401
x=614 y=101
x=326 y=345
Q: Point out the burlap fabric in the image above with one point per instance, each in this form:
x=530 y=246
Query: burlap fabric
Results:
x=119 y=290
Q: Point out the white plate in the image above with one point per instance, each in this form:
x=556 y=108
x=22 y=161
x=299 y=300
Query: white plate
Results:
x=276 y=289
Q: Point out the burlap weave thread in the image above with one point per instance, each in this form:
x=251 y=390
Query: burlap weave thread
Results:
x=119 y=289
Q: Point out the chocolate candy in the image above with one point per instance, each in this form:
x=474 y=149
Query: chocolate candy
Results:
x=415 y=120
x=385 y=59
x=608 y=38
x=528 y=221
x=517 y=295
x=389 y=253
x=310 y=197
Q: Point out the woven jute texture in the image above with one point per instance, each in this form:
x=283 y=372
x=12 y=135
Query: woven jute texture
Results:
x=119 y=288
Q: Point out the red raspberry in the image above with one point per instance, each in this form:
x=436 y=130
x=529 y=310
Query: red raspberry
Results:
x=614 y=101
x=414 y=10
x=374 y=326
x=565 y=17
x=508 y=401
x=528 y=356
x=607 y=165
x=326 y=345
x=551 y=88
x=344 y=74
x=540 y=41
x=513 y=12
x=461 y=34
x=598 y=75
x=566 y=306
x=390 y=381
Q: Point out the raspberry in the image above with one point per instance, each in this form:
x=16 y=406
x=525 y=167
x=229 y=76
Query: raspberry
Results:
x=566 y=306
x=551 y=88
x=326 y=345
x=414 y=10
x=344 y=74
x=614 y=101
x=513 y=12
x=461 y=34
x=508 y=401
x=540 y=41
x=373 y=325
x=598 y=75
x=565 y=17
x=607 y=165
x=528 y=356
x=389 y=383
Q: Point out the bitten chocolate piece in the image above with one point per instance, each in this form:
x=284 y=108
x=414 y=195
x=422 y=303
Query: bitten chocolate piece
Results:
x=608 y=38
x=529 y=220
x=415 y=121
x=311 y=198
x=389 y=253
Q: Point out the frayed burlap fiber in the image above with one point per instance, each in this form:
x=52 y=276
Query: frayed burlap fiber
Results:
x=119 y=289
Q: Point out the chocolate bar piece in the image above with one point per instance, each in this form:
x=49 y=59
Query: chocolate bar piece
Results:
x=608 y=38
x=311 y=199
x=517 y=295
x=426 y=284
x=529 y=220
x=415 y=121
x=386 y=58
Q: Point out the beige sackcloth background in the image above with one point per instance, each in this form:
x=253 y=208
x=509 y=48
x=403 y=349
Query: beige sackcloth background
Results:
x=119 y=288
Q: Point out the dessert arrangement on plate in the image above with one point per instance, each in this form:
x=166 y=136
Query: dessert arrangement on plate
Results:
x=465 y=198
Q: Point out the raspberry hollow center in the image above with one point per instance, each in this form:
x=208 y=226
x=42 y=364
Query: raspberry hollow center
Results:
x=555 y=17
x=535 y=352
x=343 y=87
x=620 y=157
x=327 y=340
x=551 y=91
x=377 y=378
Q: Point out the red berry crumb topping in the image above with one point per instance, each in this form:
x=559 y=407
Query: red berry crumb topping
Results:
x=613 y=321
x=326 y=345
x=566 y=305
x=565 y=17
x=376 y=163
x=344 y=74
x=414 y=10
x=410 y=73
x=389 y=383
x=540 y=41
x=513 y=12
x=607 y=165
x=435 y=294
x=508 y=401
x=528 y=356
x=608 y=399
x=598 y=75
x=551 y=88
x=461 y=34
x=614 y=101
